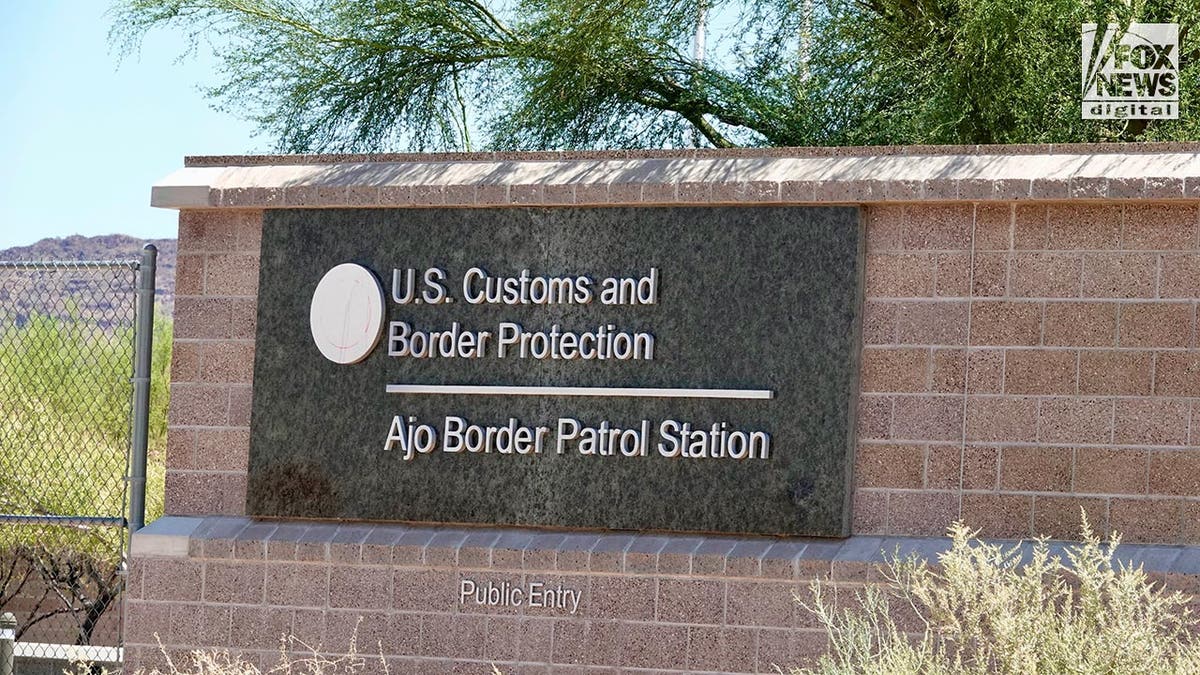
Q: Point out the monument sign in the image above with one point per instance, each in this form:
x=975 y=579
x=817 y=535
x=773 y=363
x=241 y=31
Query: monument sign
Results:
x=674 y=369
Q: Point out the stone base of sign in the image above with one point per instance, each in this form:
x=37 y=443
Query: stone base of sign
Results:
x=441 y=599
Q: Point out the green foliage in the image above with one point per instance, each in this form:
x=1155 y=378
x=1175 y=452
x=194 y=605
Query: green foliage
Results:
x=984 y=610
x=345 y=75
x=65 y=414
x=64 y=424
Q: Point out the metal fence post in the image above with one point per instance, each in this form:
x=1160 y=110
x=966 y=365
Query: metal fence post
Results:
x=144 y=333
x=8 y=633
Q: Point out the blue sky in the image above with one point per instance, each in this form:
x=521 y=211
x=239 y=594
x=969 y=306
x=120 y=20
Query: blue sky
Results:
x=84 y=135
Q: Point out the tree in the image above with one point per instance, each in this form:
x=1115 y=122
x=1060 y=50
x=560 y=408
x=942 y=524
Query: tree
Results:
x=369 y=75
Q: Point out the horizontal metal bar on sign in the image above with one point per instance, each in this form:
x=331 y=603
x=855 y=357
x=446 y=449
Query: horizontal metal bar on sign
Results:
x=109 y=521
x=627 y=392
x=69 y=264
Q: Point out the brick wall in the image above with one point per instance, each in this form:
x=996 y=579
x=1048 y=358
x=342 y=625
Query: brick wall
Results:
x=1023 y=361
x=208 y=438
x=650 y=603
x=1024 y=358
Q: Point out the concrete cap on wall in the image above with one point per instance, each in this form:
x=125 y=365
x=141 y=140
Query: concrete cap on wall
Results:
x=767 y=175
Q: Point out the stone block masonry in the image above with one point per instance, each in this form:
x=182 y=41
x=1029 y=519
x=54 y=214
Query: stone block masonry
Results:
x=1029 y=350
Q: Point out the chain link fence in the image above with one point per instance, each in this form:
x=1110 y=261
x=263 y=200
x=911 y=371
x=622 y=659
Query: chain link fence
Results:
x=69 y=335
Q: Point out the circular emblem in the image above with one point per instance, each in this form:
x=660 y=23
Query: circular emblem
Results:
x=347 y=313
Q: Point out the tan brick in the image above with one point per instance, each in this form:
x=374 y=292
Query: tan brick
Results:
x=760 y=603
x=234 y=582
x=1119 y=275
x=222 y=449
x=931 y=323
x=990 y=275
x=889 y=466
x=894 y=370
x=203 y=318
x=1180 y=276
x=884 y=224
x=456 y=637
x=879 y=322
x=623 y=597
x=1151 y=422
x=244 y=319
x=185 y=361
x=1036 y=468
x=144 y=619
x=205 y=494
x=231 y=274
x=181 y=448
x=1031 y=229
x=898 y=275
x=199 y=405
x=1175 y=472
x=653 y=646
x=869 y=512
x=360 y=587
x=1110 y=471
x=1121 y=373
x=1191 y=525
x=993 y=227
x=1177 y=374
x=174 y=580
x=874 y=417
x=949 y=369
x=937 y=227
x=800 y=649
x=1061 y=517
x=1039 y=371
x=695 y=601
x=1075 y=420
x=1003 y=419
x=925 y=514
x=259 y=627
x=1076 y=226
x=986 y=372
x=1150 y=521
x=1081 y=324
x=1157 y=324
x=227 y=362
x=1002 y=516
x=932 y=418
x=1159 y=226
x=199 y=625
x=975 y=467
x=427 y=590
x=953 y=275
x=725 y=650
x=297 y=585
x=189 y=275
x=1002 y=323
x=1045 y=275
x=248 y=232
x=203 y=231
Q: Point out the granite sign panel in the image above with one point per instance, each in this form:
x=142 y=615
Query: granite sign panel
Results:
x=665 y=369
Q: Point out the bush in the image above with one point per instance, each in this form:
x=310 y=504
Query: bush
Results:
x=65 y=402
x=983 y=610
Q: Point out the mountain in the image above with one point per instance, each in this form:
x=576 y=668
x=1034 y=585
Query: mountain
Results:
x=71 y=289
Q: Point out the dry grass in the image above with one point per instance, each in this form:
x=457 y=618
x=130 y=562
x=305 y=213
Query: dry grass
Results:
x=983 y=610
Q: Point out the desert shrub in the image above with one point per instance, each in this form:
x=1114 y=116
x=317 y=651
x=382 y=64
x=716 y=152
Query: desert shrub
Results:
x=982 y=609
x=65 y=396
x=295 y=656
